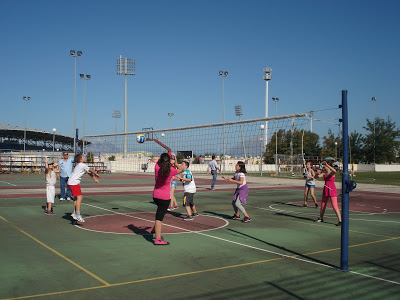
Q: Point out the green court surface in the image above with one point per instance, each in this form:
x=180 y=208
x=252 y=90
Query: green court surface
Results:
x=280 y=254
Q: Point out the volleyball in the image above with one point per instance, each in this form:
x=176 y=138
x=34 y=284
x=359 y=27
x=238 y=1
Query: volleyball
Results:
x=140 y=138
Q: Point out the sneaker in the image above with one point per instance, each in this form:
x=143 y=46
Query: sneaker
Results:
x=319 y=220
x=51 y=213
x=236 y=217
x=188 y=218
x=176 y=207
x=316 y=205
x=62 y=199
x=339 y=224
x=80 y=219
x=304 y=205
x=170 y=208
x=73 y=216
x=247 y=219
x=195 y=215
x=45 y=211
x=160 y=242
x=68 y=198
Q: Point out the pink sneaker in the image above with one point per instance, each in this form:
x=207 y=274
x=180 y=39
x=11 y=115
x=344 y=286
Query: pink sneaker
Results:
x=170 y=208
x=176 y=206
x=160 y=242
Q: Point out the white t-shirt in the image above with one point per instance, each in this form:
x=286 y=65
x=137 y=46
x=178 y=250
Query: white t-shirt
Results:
x=77 y=174
x=188 y=186
x=238 y=175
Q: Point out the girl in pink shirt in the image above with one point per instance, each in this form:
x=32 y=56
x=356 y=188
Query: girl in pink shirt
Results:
x=329 y=191
x=162 y=191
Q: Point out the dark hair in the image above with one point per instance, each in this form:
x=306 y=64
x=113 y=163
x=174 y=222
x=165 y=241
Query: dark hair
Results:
x=78 y=157
x=242 y=166
x=165 y=164
x=186 y=163
x=212 y=157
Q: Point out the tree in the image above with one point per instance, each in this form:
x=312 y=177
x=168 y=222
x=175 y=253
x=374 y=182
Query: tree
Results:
x=356 y=151
x=310 y=144
x=382 y=146
x=328 y=145
x=180 y=158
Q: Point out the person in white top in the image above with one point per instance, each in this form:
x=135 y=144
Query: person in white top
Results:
x=241 y=192
x=74 y=184
x=189 y=189
x=50 y=175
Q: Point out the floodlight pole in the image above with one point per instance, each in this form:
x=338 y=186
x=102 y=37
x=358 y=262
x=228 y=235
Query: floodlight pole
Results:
x=373 y=99
x=170 y=115
x=125 y=66
x=116 y=115
x=223 y=74
x=238 y=112
x=54 y=136
x=276 y=100
x=26 y=99
x=78 y=54
x=267 y=77
x=82 y=76
x=261 y=147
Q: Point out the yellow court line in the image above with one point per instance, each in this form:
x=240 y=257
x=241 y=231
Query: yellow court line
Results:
x=185 y=274
x=338 y=228
x=56 y=252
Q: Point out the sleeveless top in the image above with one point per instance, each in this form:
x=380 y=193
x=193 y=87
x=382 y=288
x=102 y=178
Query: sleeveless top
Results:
x=329 y=187
x=309 y=180
x=51 y=178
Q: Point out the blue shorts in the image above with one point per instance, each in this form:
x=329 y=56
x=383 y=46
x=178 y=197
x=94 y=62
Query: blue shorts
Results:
x=310 y=186
x=174 y=183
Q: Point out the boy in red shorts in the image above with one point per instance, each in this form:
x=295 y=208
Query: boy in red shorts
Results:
x=74 y=184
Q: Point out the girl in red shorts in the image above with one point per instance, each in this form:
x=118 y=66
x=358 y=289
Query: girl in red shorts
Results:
x=329 y=191
x=74 y=184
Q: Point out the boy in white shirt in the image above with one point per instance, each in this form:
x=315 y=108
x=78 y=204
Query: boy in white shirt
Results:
x=74 y=184
x=189 y=189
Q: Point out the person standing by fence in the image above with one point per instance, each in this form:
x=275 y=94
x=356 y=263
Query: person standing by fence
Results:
x=213 y=167
x=65 y=165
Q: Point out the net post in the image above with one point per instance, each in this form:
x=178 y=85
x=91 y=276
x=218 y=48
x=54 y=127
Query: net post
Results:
x=344 y=253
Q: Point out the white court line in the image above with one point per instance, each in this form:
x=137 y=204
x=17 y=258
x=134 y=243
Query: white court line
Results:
x=8 y=183
x=251 y=247
x=326 y=215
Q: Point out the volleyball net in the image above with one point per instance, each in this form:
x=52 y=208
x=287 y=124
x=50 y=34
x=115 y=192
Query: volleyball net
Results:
x=250 y=141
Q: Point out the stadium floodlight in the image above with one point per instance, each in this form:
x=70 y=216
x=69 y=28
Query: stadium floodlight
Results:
x=82 y=76
x=78 y=54
x=170 y=115
x=223 y=74
x=373 y=99
x=267 y=77
x=116 y=114
x=125 y=66
x=26 y=99
x=54 y=136
x=276 y=100
x=238 y=112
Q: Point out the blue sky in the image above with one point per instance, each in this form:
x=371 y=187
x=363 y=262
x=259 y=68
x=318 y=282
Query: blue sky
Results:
x=315 y=49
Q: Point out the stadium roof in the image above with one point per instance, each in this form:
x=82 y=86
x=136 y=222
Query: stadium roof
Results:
x=12 y=136
x=16 y=132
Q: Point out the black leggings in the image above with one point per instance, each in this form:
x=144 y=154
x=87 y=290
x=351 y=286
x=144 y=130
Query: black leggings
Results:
x=162 y=206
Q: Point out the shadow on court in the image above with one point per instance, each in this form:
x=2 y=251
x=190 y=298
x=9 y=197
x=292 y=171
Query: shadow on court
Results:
x=295 y=217
x=285 y=249
x=224 y=216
